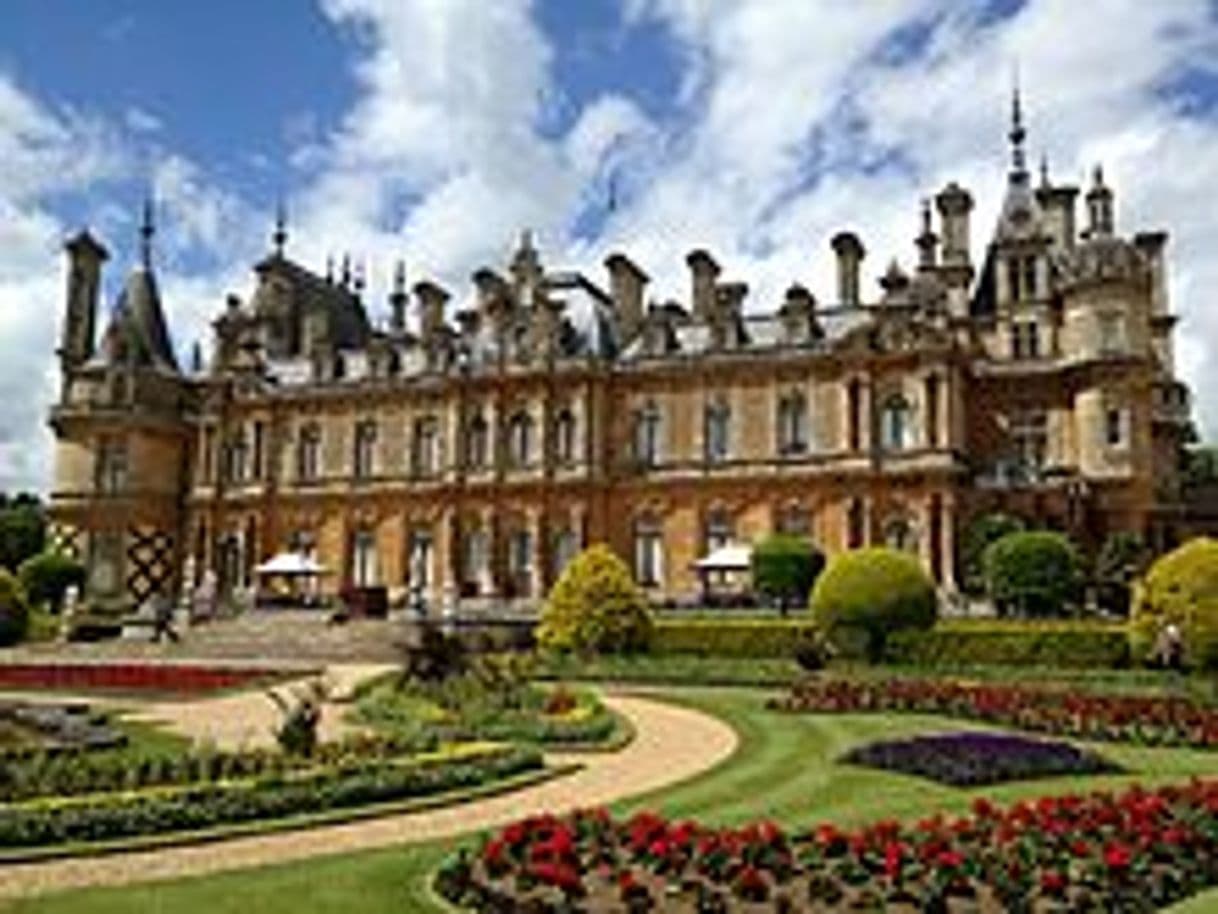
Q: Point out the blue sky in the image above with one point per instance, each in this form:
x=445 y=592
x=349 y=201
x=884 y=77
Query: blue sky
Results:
x=432 y=131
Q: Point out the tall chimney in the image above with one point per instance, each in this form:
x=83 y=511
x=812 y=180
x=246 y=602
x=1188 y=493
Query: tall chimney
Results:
x=626 y=284
x=432 y=299
x=703 y=273
x=85 y=258
x=850 y=253
x=954 y=204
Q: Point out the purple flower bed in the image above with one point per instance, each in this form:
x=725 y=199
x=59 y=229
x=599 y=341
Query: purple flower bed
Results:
x=973 y=759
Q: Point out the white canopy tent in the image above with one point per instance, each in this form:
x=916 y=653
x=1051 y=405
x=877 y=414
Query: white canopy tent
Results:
x=291 y=564
x=730 y=557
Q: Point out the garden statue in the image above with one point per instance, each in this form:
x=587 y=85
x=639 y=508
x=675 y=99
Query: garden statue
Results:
x=71 y=600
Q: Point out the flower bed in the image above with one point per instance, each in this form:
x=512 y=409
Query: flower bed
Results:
x=55 y=728
x=976 y=759
x=1144 y=720
x=134 y=677
x=275 y=795
x=1135 y=851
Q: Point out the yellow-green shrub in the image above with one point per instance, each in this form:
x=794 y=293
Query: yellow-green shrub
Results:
x=14 y=609
x=595 y=607
x=874 y=592
x=1181 y=588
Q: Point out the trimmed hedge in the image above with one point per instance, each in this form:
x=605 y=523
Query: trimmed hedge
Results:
x=731 y=637
x=1080 y=645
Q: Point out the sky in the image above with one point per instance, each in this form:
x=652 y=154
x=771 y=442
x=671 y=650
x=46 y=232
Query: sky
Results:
x=434 y=131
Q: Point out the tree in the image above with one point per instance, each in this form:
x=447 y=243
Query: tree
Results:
x=1033 y=573
x=875 y=591
x=980 y=532
x=785 y=568
x=22 y=530
x=595 y=607
x=47 y=576
x=1180 y=589
x=14 y=609
x=1122 y=559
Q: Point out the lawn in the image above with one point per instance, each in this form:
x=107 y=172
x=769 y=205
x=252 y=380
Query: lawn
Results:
x=783 y=769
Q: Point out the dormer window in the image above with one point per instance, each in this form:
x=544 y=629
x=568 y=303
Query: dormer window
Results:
x=1025 y=340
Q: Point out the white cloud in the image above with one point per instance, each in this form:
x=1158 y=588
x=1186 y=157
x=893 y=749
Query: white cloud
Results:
x=142 y=121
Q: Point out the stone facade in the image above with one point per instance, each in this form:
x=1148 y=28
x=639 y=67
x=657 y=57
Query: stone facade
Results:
x=474 y=449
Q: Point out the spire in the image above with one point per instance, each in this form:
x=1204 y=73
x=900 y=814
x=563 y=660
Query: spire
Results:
x=927 y=241
x=399 y=278
x=147 y=230
x=1044 y=170
x=330 y=268
x=280 y=236
x=1019 y=168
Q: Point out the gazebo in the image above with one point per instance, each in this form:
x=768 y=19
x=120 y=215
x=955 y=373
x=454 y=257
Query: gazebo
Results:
x=726 y=569
x=283 y=577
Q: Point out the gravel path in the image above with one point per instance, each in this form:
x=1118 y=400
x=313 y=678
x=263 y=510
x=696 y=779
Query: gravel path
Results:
x=671 y=744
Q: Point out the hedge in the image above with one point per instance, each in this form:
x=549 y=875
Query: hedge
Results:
x=731 y=637
x=1085 y=645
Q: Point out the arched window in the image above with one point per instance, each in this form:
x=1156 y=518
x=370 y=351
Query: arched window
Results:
x=477 y=435
x=900 y=533
x=474 y=559
x=896 y=433
x=647 y=428
x=520 y=439
x=308 y=452
x=717 y=442
x=564 y=437
x=566 y=547
x=648 y=551
x=365 y=448
x=425 y=456
x=363 y=559
x=792 y=423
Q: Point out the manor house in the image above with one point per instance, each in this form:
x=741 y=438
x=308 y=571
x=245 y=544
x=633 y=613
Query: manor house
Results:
x=474 y=443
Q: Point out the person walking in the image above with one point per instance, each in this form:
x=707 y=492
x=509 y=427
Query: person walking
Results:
x=162 y=619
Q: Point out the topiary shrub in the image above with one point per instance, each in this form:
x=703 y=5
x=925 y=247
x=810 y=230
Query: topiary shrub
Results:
x=1033 y=573
x=979 y=533
x=595 y=607
x=48 y=575
x=1122 y=559
x=873 y=592
x=14 y=609
x=785 y=568
x=1180 y=588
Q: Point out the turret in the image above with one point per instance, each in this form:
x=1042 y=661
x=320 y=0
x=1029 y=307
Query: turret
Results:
x=850 y=253
x=1099 y=207
x=85 y=258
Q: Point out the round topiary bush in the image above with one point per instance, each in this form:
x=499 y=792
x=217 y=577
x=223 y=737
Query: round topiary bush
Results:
x=14 y=609
x=785 y=568
x=1180 y=588
x=595 y=607
x=48 y=575
x=1033 y=573
x=874 y=592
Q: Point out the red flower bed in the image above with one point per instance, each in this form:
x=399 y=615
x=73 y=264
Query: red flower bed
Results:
x=1146 y=720
x=1135 y=851
x=131 y=677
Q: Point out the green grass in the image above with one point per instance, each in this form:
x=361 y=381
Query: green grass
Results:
x=783 y=768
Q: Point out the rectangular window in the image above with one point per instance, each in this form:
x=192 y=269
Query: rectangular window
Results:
x=1029 y=277
x=854 y=408
x=648 y=556
x=208 y=472
x=365 y=449
x=259 y=471
x=932 y=411
x=363 y=559
x=1114 y=427
x=111 y=467
x=1112 y=334
x=1030 y=442
x=1013 y=279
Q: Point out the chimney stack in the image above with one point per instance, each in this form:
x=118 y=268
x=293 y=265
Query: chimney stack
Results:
x=954 y=204
x=626 y=285
x=85 y=259
x=703 y=273
x=432 y=299
x=850 y=253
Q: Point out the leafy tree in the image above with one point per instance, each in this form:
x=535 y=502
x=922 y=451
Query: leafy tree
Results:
x=14 y=609
x=1181 y=589
x=785 y=568
x=876 y=592
x=1122 y=559
x=1199 y=466
x=48 y=575
x=595 y=607
x=980 y=532
x=1033 y=573
x=22 y=530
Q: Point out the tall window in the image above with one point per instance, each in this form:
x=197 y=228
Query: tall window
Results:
x=564 y=437
x=718 y=426
x=1030 y=440
x=648 y=552
x=520 y=439
x=308 y=452
x=1112 y=334
x=1025 y=340
x=854 y=415
x=899 y=533
x=792 y=424
x=933 y=387
x=718 y=532
x=232 y=464
x=365 y=448
x=474 y=558
x=1115 y=422
x=647 y=425
x=425 y=455
x=1021 y=278
x=520 y=560
x=418 y=566
x=856 y=524
x=895 y=422
x=208 y=471
x=258 y=461
x=111 y=473
x=566 y=547
x=477 y=439
x=363 y=559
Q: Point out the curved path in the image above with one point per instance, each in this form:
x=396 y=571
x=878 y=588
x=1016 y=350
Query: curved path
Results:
x=671 y=744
